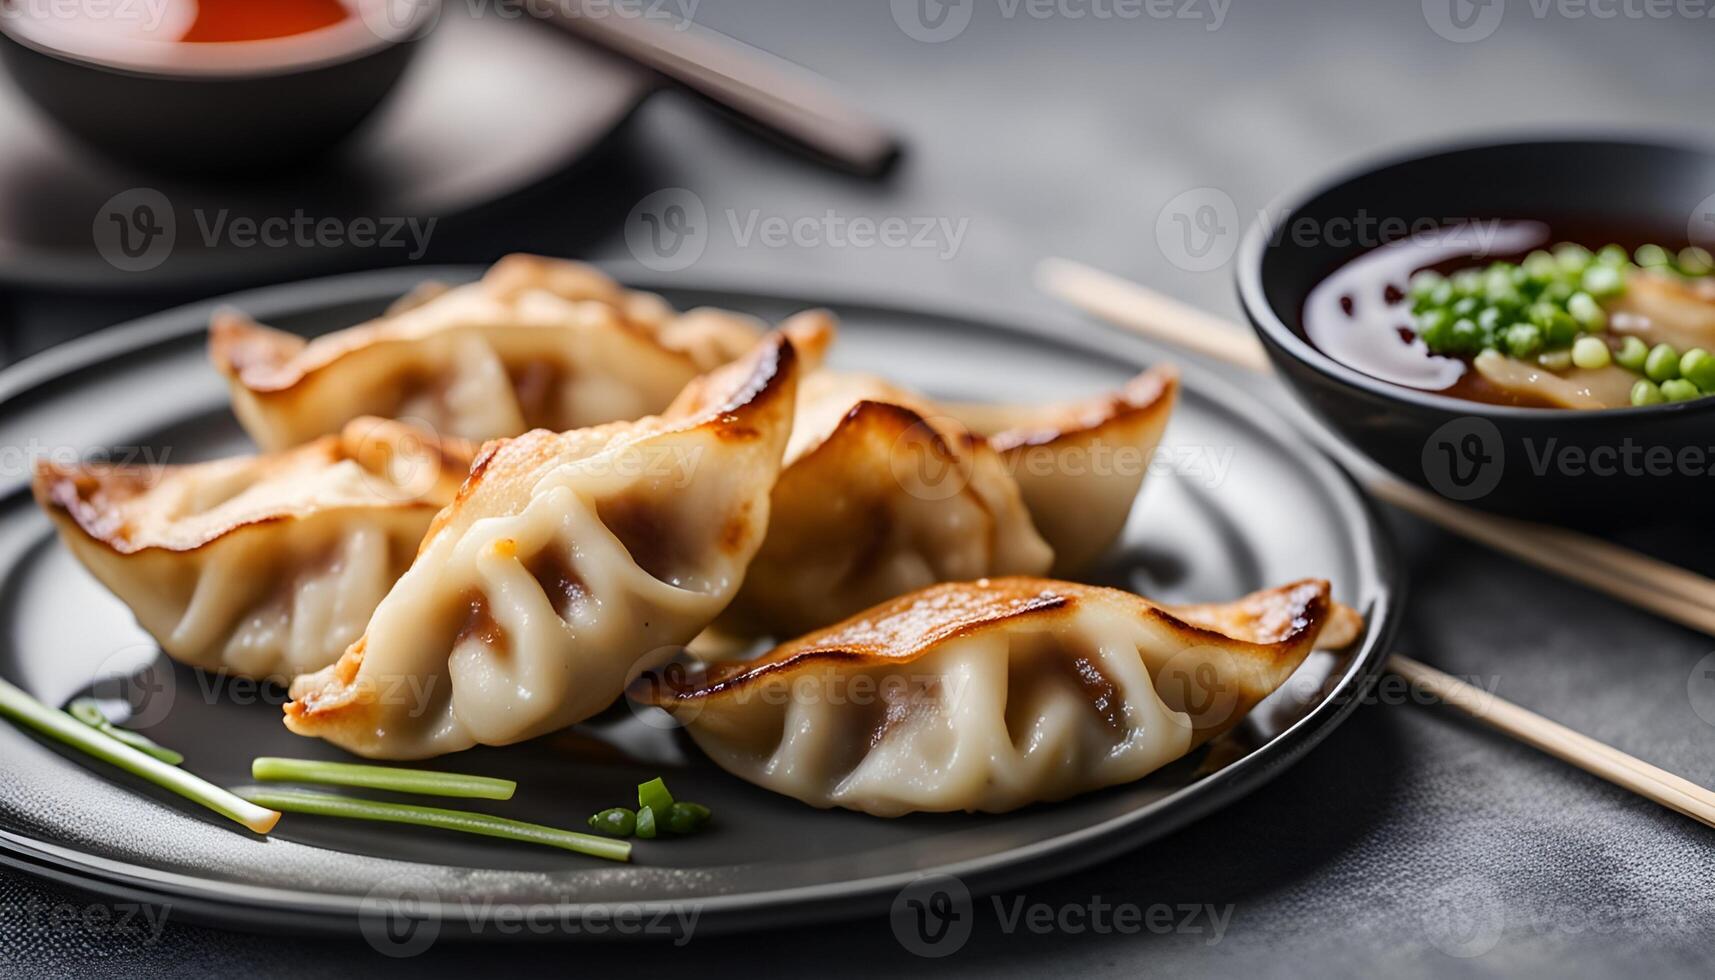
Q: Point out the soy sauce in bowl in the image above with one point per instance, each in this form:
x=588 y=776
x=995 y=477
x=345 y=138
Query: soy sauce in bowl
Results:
x=1370 y=314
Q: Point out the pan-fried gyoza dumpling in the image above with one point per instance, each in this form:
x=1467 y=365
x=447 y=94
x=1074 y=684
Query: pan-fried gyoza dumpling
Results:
x=263 y=566
x=567 y=563
x=538 y=343
x=708 y=335
x=995 y=694
x=1080 y=464
x=881 y=494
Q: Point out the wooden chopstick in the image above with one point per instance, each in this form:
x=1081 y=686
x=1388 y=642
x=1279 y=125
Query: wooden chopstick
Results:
x=781 y=97
x=1655 y=586
x=1659 y=587
x=1563 y=743
x=1152 y=314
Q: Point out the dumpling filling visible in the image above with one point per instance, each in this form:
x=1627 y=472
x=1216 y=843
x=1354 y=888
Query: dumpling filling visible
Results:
x=264 y=566
x=536 y=343
x=568 y=563
x=991 y=695
x=884 y=491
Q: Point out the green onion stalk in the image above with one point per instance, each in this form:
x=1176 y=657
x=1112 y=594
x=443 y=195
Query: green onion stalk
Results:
x=463 y=821
x=30 y=713
x=271 y=769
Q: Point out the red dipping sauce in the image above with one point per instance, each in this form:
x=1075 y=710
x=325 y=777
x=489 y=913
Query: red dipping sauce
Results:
x=257 y=20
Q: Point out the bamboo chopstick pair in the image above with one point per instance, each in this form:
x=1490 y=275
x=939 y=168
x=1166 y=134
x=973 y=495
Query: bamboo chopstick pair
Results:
x=1647 y=583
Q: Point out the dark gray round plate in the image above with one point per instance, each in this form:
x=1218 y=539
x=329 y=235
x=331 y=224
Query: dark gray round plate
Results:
x=1240 y=501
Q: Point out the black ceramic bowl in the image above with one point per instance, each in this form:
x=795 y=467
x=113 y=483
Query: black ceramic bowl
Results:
x=1587 y=466
x=140 y=97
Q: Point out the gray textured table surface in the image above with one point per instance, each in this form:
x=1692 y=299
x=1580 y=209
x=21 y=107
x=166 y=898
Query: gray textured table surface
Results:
x=1409 y=842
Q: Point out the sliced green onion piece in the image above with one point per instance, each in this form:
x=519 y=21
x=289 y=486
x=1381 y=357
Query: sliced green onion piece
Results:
x=464 y=821
x=1586 y=311
x=1679 y=390
x=143 y=743
x=1572 y=257
x=687 y=818
x=1602 y=281
x=645 y=827
x=1662 y=364
x=271 y=769
x=1591 y=353
x=1632 y=354
x=1650 y=256
x=654 y=795
x=1698 y=367
x=1696 y=261
x=88 y=711
x=27 y=711
x=617 y=821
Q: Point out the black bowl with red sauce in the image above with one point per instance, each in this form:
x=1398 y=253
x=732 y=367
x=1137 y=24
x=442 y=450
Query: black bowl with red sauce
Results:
x=1430 y=423
x=211 y=86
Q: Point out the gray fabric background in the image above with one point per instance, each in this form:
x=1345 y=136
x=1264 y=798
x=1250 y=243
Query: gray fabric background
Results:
x=1410 y=843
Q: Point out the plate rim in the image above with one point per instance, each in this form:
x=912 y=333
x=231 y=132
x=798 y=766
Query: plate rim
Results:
x=243 y=905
